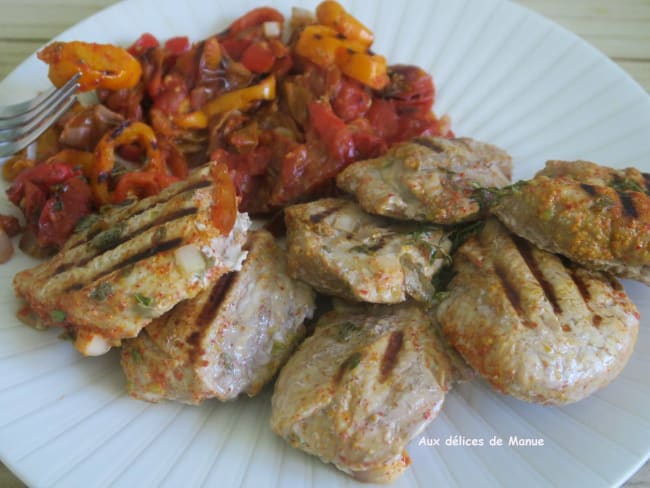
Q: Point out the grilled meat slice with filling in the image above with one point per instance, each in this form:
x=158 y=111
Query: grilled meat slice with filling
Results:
x=594 y=215
x=429 y=179
x=340 y=250
x=534 y=325
x=133 y=264
x=230 y=339
x=367 y=381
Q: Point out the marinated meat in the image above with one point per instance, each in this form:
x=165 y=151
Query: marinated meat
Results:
x=594 y=215
x=340 y=250
x=628 y=179
x=133 y=264
x=230 y=339
x=532 y=324
x=370 y=379
x=429 y=179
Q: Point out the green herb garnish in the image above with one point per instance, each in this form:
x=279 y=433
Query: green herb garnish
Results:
x=460 y=234
x=143 y=300
x=278 y=348
x=159 y=234
x=361 y=248
x=352 y=361
x=86 y=222
x=489 y=197
x=102 y=292
x=136 y=356
x=58 y=315
x=109 y=238
x=626 y=185
x=346 y=329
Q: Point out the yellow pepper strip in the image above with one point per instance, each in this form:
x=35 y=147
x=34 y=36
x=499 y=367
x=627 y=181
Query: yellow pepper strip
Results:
x=241 y=99
x=16 y=165
x=369 y=69
x=332 y=14
x=192 y=120
x=320 y=44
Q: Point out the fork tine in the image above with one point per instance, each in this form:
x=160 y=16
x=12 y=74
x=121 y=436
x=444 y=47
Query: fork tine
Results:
x=9 y=111
x=10 y=147
x=20 y=113
x=19 y=130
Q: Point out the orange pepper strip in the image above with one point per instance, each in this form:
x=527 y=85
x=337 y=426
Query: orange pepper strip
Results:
x=369 y=69
x=332 y=14
x=224 y=206
x=101 y=65
x=126 y=133
x=241 y=99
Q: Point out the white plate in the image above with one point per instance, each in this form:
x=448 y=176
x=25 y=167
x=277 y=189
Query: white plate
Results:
x=506 y=76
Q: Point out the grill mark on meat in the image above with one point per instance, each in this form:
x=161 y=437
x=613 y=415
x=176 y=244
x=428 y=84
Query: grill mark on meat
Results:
x=615 y=284
x=629 y=210
x=322 y=215
x=511 y=293
x=580 y=284
x=191 y=187
x=589 y=189
x=646 y=180
x=389 y=360
x=596 y=320
x=350 y=363
x=429 y=144
x=527 y=253
x=163 y=219
x=195 y=352
x=142 y=255
x=217 y=294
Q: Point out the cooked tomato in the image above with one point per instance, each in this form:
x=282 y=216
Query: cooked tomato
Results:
x=177 y=45
x=43 y=176
x=145 y=42
x=62 y=211
x=352 y=100
x=258 y=57
x=332 y=131
x=383 y=118
x=412 y=90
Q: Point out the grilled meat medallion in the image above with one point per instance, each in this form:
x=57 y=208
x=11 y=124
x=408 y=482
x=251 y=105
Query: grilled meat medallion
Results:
x=132 y=264
x=628 y=179
x=340 y=250
x=594 y=215
x=230 y=339
x=429 y=179
x=533 y=325
x=369 y=380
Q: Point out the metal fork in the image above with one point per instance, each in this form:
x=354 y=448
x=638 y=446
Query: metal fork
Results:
x=23 y=123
